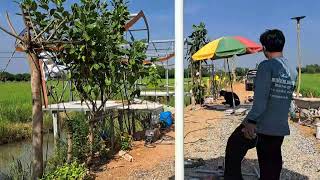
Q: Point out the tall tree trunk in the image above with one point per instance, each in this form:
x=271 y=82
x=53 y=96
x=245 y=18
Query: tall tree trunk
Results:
x=37 y=117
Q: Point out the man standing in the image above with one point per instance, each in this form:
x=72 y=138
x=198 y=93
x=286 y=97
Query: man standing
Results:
x=267 y=123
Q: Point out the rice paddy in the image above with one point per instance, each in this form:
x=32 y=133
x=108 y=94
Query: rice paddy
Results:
x=15 y=104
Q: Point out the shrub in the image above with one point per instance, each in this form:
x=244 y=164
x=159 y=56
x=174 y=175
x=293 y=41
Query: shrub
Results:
x=68 y=171
x=58 y=158
x=80 y=146
x=126 y=141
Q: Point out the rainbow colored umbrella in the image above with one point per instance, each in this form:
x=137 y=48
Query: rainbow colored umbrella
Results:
x=226 y=47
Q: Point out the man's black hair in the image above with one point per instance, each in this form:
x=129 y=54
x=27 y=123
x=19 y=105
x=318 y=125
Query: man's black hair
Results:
x=273 y=40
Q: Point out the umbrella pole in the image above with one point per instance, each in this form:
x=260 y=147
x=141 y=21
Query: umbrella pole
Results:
x=212 y=93
x=231 y=82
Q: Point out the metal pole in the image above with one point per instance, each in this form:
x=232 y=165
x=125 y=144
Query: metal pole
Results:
x=231 y=82
x=212 y=80
x=298 y=51
x=299 y=57
x=167 y=81
x=179 y=92
x=70 y=91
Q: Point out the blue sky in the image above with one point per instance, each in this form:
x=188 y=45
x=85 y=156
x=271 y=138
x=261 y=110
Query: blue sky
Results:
x=160 y=15
x=248 y=18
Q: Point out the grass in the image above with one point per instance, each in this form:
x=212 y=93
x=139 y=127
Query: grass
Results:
x=310 y=85
x=11 y=131
x=16 y=111
x=15 y=102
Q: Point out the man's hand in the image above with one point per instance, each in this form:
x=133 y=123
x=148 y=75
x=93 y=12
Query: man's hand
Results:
x=249 y=131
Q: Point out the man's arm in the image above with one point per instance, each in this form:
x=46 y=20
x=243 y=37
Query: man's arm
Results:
x=261 y=93
x=262 y=85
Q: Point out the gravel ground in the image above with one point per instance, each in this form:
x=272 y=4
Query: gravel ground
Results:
x=164 y=170
x=300 y=156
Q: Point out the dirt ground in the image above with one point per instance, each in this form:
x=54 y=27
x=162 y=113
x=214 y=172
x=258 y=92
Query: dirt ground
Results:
x=148 y=159
x=144 y=158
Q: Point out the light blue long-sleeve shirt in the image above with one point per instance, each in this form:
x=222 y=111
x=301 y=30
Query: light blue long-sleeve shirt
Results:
x=273 y=88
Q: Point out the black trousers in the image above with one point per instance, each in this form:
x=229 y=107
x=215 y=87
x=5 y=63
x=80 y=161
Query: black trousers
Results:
x=268 y=151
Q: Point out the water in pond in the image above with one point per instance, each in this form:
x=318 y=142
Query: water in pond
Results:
x=22 y=151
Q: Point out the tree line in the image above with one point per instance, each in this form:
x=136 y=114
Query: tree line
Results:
x=239 y=71
x=311 y=69
x=6 y=76
x=206 y=72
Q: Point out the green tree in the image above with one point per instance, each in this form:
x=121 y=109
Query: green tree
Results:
x=196 y=40
x=311 y=69
x=26 y=76
x=89 y=40
x=6 y=76
x=241 y=71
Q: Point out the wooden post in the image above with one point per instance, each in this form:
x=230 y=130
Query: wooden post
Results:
x=43 y=85
x=37 y=116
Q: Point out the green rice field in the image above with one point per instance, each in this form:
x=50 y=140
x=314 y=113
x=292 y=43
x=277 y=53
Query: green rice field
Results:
x=310 y=85
x=15 y=103
x=15 y=111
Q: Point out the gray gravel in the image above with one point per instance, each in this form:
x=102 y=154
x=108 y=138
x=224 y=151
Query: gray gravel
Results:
x=164 y=170
x=301 y=158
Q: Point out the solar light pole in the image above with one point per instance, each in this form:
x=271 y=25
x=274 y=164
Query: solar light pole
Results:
x=299 y=51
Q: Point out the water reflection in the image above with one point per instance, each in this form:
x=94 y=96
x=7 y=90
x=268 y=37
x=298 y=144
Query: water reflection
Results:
x=22 y=151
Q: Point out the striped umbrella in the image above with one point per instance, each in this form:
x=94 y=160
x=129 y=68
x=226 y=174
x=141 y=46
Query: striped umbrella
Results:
x=226 y=47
